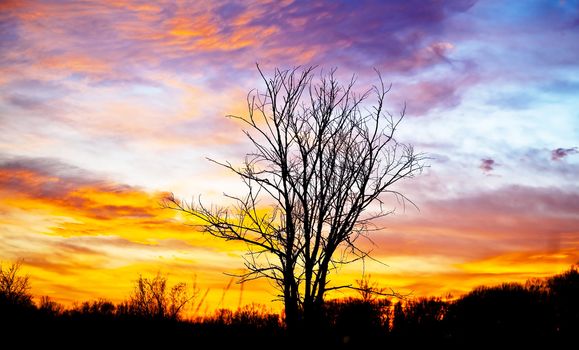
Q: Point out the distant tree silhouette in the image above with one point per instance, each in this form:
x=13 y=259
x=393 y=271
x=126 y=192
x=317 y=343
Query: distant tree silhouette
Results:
x=564 y=292
x=399 y=319
x=16 y=306
x=49 y=307
x=153 y=299
x=419 y=320
x=507 y=313
x=252 y=316
x=323 y=157
x=14 y=287
x=539 y=313
x=98 y=309
x=356 y=321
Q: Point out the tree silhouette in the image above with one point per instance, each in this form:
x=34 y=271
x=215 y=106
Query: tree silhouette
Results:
x=49 y=307
x=509 y=312
x=323 y=156
x=14 y=288
x=564 y=290
x=419 y=319
x=154 y=300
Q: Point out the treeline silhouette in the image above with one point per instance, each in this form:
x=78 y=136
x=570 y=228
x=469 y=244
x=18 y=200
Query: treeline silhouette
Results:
x=541 y=312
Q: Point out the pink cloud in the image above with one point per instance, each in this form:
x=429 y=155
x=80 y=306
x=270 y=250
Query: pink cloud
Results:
x=511 y=219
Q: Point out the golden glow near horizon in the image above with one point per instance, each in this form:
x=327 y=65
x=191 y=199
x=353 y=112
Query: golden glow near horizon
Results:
x=87 y=239
x=106 y=106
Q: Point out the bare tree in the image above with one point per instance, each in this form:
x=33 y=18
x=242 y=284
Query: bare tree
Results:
x=368 y=289
x=153 y=299
x=324 y=156
x=50 y=307
x=14 y=288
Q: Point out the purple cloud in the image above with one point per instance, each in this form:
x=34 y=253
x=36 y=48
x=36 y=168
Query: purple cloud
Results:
x=430 y=95
x=560 y=153
x=112 y=42
x=487 y=165
x=25 y=102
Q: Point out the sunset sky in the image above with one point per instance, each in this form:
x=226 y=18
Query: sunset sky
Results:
x=106 y=105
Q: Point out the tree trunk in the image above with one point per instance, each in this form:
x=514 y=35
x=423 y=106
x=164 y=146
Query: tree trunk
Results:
x=291 y=315
x=313 y=317
x=291 y=304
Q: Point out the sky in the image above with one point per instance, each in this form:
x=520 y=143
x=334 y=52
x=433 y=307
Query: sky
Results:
x=107 y=105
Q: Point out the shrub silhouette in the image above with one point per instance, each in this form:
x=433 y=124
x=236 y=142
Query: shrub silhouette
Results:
x=251 y=323
x=256 y=316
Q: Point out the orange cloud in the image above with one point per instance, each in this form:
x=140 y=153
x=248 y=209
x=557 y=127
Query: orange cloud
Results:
x=200 y=27
x=202 y=30
x=76 y=64
x=81 y=237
